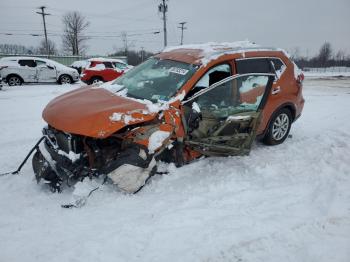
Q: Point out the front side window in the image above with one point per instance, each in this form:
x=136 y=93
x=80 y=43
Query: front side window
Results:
x=40 y=63
x=242 y=94
x=120 y=66
x=156 y=79
x=215 y=74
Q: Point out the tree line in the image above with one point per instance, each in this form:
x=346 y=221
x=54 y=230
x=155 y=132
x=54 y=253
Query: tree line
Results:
x=326 y=57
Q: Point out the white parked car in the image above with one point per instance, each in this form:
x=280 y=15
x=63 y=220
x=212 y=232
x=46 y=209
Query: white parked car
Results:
x=80 y=65
x=18 y=70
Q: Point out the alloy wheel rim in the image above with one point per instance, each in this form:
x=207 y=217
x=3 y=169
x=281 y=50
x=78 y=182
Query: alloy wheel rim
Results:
x=65 y=80
x=14 y=81
x=280 y=126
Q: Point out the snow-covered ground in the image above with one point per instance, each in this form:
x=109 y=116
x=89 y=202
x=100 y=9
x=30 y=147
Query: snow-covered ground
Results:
x=327 y=72
x=283 y=203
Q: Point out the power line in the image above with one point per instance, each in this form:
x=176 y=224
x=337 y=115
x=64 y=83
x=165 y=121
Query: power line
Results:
x=43 y=15
x=182 y=27
x=163 y=8
x=89 y=35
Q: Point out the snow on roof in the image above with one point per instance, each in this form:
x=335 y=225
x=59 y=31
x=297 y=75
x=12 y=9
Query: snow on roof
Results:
x=103 y=59
x=9 y=58
x=212 y=50
x=80 y=63
x=48 y=61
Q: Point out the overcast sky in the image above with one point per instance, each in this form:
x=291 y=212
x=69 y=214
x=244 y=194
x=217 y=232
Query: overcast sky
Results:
x=281 y=23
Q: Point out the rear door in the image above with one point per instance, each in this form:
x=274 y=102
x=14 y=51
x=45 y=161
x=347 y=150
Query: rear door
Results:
x=264 y=65
x=46 y=73
x=228 y=114
x=110 y=73
x=27 y=70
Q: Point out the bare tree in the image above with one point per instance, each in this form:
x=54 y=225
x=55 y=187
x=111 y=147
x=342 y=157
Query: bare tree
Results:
x=73 y=37
x=340 y=57
x=325 y=54
x=41 y=50
x=295 y=53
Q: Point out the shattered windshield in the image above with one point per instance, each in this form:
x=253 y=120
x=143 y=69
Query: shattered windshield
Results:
x=156 y=79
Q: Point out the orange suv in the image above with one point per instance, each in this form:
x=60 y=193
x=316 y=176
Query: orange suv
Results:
x=184 y=103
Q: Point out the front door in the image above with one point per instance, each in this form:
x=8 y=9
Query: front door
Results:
x=45 y=73
x=222 y=119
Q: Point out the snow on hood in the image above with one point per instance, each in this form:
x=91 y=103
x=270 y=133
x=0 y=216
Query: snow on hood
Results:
x=101 y=110
x=94 y=112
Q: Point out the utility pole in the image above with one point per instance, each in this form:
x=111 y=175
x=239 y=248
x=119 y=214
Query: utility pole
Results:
x=125 y=41
x=182 y=27
x=163 y=8
x=43 y=15
x=142 y=54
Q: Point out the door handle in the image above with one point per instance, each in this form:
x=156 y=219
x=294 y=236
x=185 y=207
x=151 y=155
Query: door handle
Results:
x=276 y=90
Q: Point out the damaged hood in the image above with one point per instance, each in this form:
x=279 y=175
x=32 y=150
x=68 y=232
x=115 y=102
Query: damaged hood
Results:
x=94 y=112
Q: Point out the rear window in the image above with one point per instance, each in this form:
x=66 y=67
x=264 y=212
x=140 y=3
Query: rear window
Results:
x=258 y=65
x=30 y=63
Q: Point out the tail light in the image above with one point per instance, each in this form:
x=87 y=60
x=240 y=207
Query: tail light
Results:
x=300 y=78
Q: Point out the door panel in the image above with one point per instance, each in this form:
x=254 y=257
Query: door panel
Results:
x=265 y=65
x=230 y=114
x=46 y=74
x=27 y=70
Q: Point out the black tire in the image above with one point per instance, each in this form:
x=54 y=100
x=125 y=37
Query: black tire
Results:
x=279 y=127
x=65 y=79
x=14 y=80
x=95 y=80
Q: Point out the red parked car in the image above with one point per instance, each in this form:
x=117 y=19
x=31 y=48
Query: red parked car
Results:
x=103 y=69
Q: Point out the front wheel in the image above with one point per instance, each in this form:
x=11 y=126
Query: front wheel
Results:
x=279 y=127
x=65 y=79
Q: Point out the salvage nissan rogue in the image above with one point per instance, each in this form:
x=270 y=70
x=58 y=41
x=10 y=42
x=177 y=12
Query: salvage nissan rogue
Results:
x=184 y=103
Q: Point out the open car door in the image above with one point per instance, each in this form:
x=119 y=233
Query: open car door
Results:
x=223 y=118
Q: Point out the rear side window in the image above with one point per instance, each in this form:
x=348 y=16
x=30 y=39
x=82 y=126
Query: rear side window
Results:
x=279 y=66
x=27 y=62
x=258 y=65
x=108 y=64
x=277 y=63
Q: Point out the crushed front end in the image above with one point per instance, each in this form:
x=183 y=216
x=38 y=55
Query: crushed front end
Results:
x=63 y=159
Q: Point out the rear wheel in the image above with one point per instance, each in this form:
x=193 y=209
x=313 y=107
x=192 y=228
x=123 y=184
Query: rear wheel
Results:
x=279 y=127
x=65 y=79
x=95 y=80
x=14 y=81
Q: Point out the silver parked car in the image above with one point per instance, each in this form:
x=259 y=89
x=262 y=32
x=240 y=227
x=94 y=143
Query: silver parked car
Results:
x=18 y=70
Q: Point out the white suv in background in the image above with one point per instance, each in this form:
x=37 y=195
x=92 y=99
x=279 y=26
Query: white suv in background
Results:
x=17 y=70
